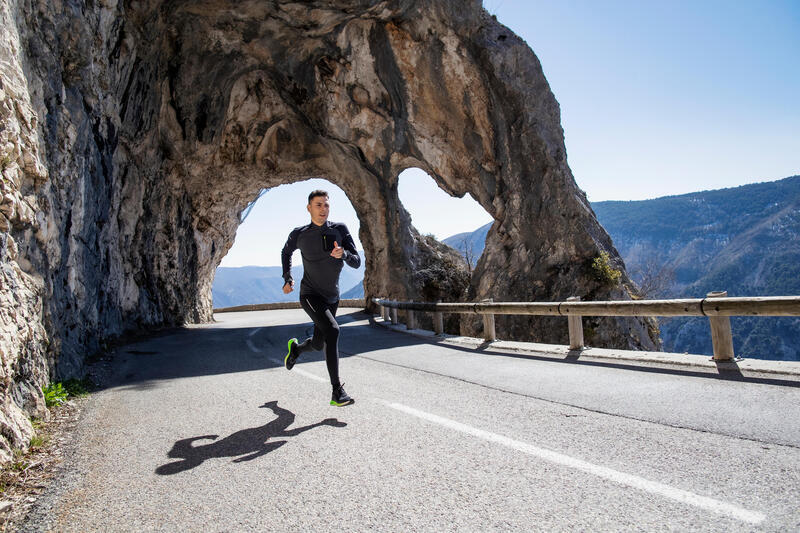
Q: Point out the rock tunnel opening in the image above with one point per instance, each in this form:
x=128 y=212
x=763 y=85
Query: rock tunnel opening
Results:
x=447 y=228
x=250 y=272
x=461 y=223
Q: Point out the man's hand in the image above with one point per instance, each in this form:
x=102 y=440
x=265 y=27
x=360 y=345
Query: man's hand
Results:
x=337 y=251
x=288 y=287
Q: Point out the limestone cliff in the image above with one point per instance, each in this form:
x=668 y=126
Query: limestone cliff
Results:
x=133 y=134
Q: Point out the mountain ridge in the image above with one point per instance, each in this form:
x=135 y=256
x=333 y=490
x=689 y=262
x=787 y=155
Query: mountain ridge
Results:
x=264 y=284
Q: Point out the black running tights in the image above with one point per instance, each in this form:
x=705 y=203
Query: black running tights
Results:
x=326 y=333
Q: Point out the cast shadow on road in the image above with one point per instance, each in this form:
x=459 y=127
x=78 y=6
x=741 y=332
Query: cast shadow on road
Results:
x=150 y=360
x=245 y=445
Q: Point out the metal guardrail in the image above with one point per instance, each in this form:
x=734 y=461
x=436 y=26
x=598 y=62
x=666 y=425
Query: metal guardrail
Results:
x=716 y=306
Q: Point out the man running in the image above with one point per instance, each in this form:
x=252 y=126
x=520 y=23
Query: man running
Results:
x=325 y=247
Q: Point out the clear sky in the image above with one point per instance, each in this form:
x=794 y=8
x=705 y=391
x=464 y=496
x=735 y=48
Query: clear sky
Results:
x=657 y=98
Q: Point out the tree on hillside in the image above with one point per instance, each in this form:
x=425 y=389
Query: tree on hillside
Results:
x=469 y=253
x=654 y=278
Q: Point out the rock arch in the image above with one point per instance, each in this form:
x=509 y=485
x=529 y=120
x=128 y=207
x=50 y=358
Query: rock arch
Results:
x=136 y=131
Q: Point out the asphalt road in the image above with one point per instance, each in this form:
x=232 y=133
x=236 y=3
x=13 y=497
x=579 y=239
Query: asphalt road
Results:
x=202 y=429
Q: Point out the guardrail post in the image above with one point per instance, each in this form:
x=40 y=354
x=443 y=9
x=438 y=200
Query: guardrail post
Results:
x=386 y=312
x=438 y=321
x=575 y=327
x=721 y=336
x=410 y=318
x=394 y=313
x=489 y=333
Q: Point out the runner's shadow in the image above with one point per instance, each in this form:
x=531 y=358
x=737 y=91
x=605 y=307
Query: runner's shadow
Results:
x=245 y=445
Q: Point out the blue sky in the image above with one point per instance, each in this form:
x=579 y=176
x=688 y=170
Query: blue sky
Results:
x=657 y=98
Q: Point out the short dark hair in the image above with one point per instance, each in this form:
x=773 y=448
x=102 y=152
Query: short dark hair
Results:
x=318 y=192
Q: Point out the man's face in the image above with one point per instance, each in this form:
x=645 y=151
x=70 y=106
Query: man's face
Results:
x=318 y=208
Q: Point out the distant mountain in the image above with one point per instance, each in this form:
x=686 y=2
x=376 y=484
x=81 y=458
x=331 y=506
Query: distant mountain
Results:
x=741 y=239
x=745 y=240
x=264 y=284
x=355 y=292
x=248 y=285
x=470 y=244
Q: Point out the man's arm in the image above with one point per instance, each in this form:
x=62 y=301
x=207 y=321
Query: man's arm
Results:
x=286 y=256
x=350 y=254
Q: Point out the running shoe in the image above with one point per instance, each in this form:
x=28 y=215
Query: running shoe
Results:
x=340 y=398
x=292 y=355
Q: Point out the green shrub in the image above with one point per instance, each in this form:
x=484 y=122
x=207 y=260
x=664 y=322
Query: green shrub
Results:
x=603 y=271
x=57 y=393
x=54 y=394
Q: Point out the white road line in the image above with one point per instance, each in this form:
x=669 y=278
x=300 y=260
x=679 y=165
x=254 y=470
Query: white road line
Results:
x=683 y=496
x=250 y=343
x=679 y=495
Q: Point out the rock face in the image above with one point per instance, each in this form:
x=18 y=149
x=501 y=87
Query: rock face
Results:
x=134 y=133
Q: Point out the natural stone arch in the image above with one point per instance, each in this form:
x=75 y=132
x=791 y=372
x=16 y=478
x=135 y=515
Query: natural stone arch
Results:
x=465 y=102
x=132 y=152
x=261 y=136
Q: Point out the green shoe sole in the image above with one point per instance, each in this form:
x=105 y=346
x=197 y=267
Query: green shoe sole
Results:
x=286 y=359
x=342 y=404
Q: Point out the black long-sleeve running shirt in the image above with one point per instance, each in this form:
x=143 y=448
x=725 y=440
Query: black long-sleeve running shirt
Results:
x=320 y=270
